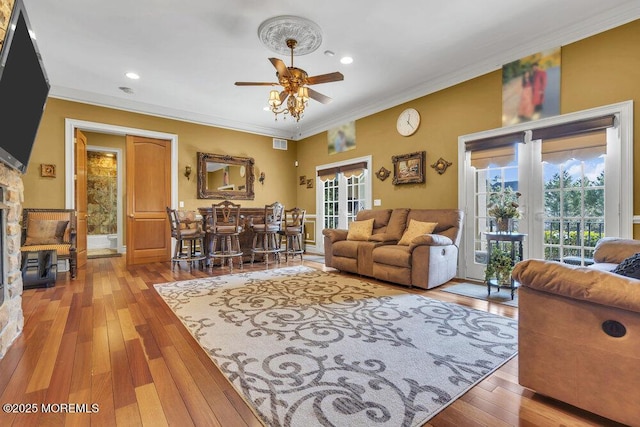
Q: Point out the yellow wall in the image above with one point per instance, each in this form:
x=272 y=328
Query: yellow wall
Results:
x=596 y=71
x=279 y=184
x=600 y=70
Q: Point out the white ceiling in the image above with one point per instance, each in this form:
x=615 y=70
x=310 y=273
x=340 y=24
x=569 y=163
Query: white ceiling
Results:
x=190 y=53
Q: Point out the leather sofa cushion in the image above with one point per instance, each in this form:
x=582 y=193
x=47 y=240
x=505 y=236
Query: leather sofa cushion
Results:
x=397 y=223
x=396 y=255
x=380 y=218
x=580 y=283
x=346 y=248
x=614 y=249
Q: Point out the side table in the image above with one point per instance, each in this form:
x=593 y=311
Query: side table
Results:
x=39 y=269
x=515 y=241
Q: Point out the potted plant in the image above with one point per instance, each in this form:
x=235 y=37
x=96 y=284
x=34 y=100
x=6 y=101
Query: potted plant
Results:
x=504 y=208
x=499 y=267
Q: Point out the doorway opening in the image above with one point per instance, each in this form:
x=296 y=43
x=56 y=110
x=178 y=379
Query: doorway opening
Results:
x=73 y=125
x=104 y=202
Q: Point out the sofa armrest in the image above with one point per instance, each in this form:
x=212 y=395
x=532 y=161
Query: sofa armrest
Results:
x=580 y=283
x=335 y=235
x=615 y=250
x=430 y=240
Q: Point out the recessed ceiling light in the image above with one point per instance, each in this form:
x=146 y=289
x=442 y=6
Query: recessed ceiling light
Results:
x=346 y=60
x=132 y=75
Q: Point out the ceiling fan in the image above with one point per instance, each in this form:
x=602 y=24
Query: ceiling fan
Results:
x=294 y=82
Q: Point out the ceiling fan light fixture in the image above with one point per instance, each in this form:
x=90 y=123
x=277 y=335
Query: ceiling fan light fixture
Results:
x=303 y=93
x=274 y=99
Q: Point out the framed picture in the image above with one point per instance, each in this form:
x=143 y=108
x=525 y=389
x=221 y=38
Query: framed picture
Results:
x=409 y=168
x=309 y=183
x=48 y=171
x=303 y=179
x=531 y=87
x=342 y=138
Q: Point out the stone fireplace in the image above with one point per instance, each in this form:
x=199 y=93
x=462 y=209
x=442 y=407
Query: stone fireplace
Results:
x=11 y=316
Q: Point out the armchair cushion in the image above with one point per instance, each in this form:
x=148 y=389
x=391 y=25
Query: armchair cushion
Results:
x=415 y=229
x=360 y=230
x=629 y=267
x=579 y=283
x=46 y=232
x=615 y=249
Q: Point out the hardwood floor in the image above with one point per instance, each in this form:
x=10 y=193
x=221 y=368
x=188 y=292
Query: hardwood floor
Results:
x=108 y=339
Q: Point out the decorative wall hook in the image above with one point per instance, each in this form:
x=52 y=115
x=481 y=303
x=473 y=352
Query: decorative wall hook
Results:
x=441 y=165
x=261 y=179
x=187 y=171
x=383 y=173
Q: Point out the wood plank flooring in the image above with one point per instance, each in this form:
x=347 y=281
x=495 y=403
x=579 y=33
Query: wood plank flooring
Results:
x=107 y=339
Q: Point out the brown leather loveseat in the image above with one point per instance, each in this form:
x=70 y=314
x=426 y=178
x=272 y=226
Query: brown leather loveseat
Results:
x=579 y=332
x=425 y=261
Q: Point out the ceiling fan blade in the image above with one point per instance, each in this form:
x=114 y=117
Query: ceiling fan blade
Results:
x=283 y=96
x=325 y=78
x=255 y=84
x=280 y=66
x=323 y=99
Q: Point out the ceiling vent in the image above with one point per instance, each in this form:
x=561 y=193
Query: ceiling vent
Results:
x=279 y=144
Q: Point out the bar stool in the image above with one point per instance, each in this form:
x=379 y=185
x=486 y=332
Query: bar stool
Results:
x=187 y=231
x=292 y=232
x=266 y=239
x=224 y=227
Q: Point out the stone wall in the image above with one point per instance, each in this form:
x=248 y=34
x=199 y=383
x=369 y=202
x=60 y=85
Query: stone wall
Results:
x=11 y=316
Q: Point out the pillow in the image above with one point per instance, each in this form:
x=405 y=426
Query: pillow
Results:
x=45 y=232
x=360 y=230
x=415 y=229
x=629 y=267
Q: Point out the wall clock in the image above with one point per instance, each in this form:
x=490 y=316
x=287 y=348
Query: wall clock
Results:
x=408 y=122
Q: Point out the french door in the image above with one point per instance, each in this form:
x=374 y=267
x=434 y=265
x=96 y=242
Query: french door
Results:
x=343 y=189
x=573 y=192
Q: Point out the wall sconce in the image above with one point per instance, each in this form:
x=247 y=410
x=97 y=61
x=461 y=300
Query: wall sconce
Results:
x=261 y=179
x=187 y=171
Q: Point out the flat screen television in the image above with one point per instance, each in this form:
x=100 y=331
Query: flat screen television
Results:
x=24 y=88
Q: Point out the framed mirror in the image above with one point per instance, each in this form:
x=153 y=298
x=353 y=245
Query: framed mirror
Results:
x=225 y=177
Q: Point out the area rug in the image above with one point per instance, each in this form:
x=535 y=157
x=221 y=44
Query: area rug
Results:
x=480 y=292
x=310 y=348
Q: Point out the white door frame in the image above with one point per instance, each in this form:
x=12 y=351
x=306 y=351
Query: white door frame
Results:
x=71 y=125
x=624 y=112
x=319 y=206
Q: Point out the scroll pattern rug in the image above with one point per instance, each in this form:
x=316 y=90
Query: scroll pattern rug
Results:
x=307 y=348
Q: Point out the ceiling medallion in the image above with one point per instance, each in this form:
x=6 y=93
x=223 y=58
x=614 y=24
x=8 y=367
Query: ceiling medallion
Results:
x=274 y=33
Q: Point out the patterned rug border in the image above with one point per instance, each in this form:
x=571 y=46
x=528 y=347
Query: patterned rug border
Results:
x=285 y=271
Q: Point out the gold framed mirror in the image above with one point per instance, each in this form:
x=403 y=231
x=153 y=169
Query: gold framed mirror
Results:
x=225 y=177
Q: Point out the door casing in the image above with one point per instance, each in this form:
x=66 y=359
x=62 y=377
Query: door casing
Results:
x=72 y=124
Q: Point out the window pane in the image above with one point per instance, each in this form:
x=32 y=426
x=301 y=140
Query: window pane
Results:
x=572 y=203
x=552 y=203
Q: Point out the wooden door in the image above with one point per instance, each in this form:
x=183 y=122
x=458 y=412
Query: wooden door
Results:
x=148 y=195
x=80 y=141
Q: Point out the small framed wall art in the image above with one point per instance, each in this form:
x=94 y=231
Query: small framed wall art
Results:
x=409 y=168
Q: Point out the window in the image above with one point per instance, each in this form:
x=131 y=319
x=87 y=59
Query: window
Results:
x=344 y=189
x=569 y=170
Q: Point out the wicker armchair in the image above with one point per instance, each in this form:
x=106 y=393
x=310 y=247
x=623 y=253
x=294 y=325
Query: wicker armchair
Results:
x=51 y=229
